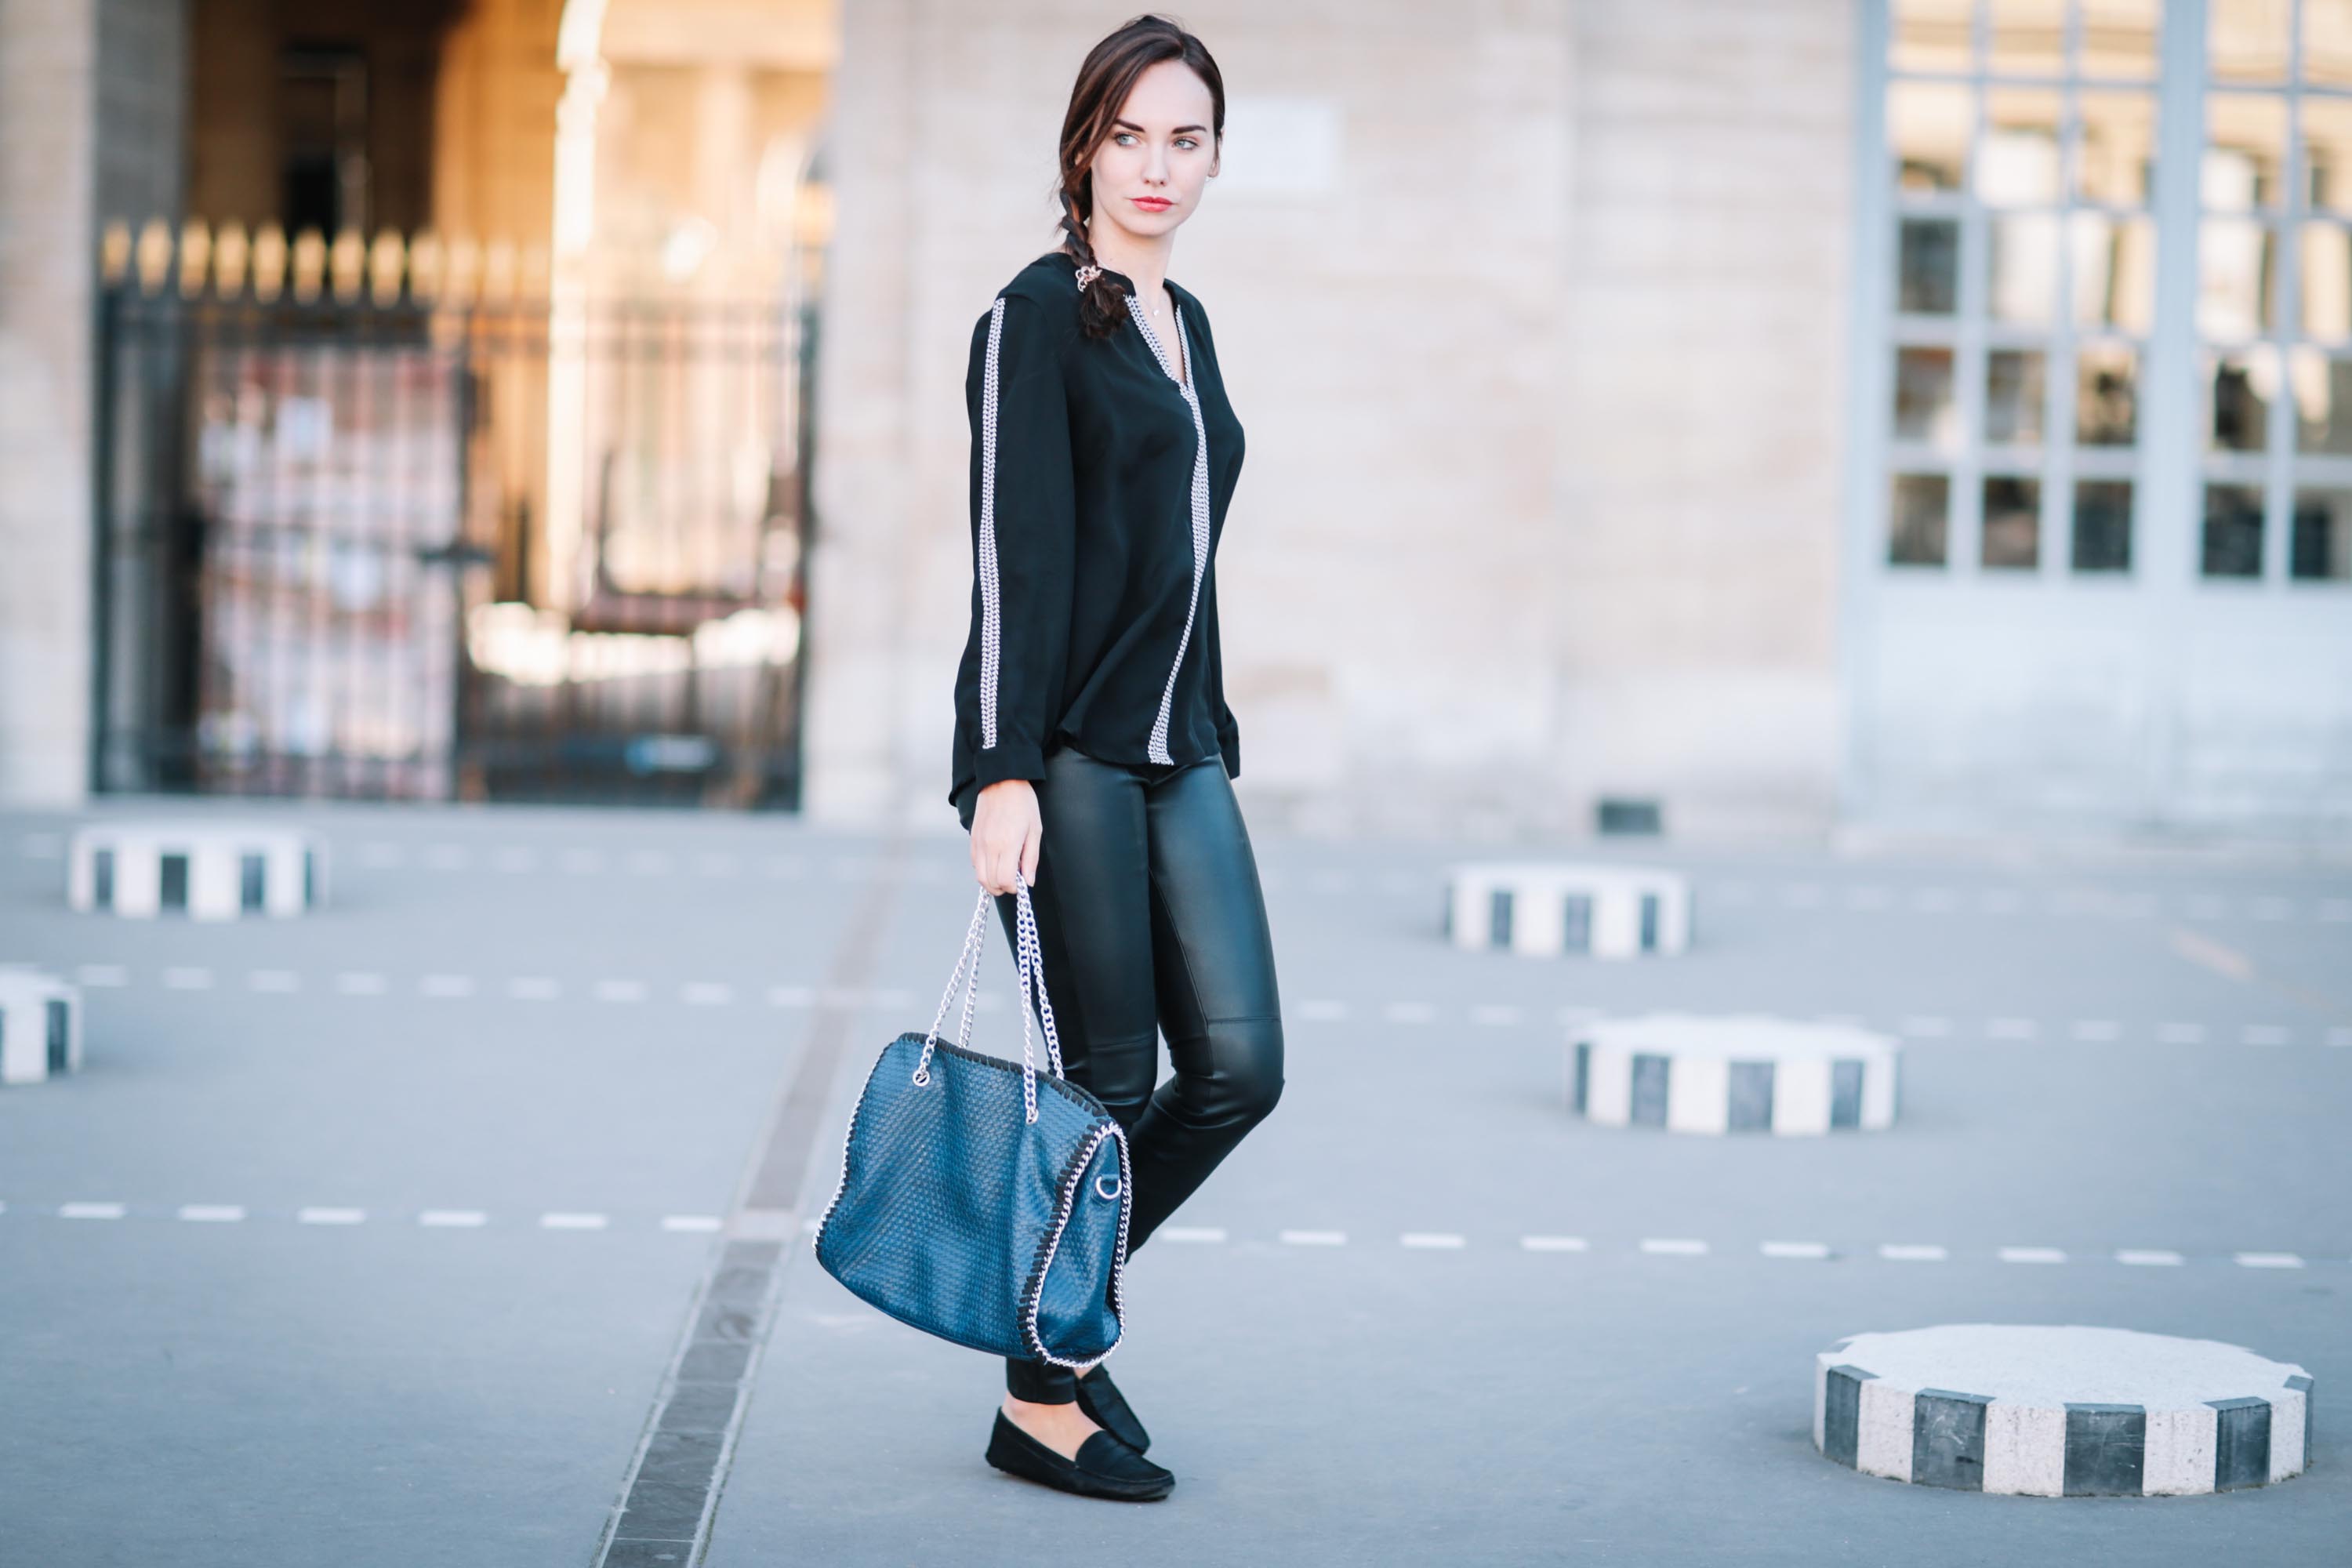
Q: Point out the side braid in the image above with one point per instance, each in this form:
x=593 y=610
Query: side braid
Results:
x=1099 y=301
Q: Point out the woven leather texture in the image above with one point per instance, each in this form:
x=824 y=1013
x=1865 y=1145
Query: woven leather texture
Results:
x=959 y=1215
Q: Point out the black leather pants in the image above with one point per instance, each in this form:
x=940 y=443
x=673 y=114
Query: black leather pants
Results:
x=1150 y=919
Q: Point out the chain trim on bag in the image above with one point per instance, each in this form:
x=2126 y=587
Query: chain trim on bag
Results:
x=1033 y=1290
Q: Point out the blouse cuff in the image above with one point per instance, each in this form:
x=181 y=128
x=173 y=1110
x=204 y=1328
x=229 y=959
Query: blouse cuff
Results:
x=1008 y=760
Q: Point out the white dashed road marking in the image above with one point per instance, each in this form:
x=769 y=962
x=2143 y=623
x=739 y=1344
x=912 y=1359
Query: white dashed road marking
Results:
x=89 y=1211
x=1432 y=1240
x=690 y=1222
x=620 y=991
x=1795 y=1249
x=1191 y=1232
x=2032 y=1254
x=534 y=988
x=571 y=1222
x=453 y=1220
x=2269 y=1260
x=1673 y=1247
x=330 y=1217
x=1315 y=1238
x=1553 y=1244
x=2149 y=1257
x=1911 y=1252
x=213 y=1214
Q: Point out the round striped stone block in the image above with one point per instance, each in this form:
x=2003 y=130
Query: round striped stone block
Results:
x=40 y=1025
x=1545 y=909
x=1734 y=1072
x=209 y=870
x=2064 y=1411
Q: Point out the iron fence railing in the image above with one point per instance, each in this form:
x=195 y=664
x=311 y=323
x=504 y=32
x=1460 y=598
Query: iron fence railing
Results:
x=415 y=522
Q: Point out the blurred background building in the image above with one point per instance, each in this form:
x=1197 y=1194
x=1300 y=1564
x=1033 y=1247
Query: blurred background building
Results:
x=1750 y=415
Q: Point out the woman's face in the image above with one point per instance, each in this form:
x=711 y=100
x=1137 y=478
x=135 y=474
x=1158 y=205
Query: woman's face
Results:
x=1150 y=170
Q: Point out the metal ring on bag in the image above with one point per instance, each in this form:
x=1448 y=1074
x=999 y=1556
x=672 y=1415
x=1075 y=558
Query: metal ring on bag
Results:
x=923 y=1077
x=1098 y=1186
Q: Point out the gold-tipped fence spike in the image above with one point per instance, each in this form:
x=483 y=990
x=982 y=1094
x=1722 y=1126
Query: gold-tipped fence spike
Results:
x=310 y=264
x=387 y=267
x=462 y=270
x=195 y=256
x=425 y=266
x=498 y=270
x=154 y=255
x=347 y=263
x=230 y=250
x=114 y=252
x=269 y=261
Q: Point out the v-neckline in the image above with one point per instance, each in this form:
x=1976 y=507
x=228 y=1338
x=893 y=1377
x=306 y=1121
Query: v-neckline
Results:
x=1182 y=358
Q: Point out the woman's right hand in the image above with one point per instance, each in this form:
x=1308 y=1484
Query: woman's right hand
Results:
x=1006 y=833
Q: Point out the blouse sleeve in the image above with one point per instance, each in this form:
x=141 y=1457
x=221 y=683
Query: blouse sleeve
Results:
x=1229 y=733
x=1025 y=531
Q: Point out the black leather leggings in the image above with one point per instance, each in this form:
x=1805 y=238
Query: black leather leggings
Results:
x=1150 y=919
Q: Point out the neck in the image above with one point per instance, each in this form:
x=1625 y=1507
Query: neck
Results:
x=1143 y=261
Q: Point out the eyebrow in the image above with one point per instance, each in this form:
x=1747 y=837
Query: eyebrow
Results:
x=1131 y=125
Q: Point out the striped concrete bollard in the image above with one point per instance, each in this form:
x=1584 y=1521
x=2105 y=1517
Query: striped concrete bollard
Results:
x=1547 y=910
x=2060 y=1411
x=210 y=871
x=40 y=1025
x=1736 y=1072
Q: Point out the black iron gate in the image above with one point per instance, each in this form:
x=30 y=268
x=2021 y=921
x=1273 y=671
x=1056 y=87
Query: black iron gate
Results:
x=404 y=522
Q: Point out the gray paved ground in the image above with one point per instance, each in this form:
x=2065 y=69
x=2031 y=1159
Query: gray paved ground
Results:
x=575 y=1025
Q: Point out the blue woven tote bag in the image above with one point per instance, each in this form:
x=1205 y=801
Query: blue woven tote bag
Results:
x=980 y=1201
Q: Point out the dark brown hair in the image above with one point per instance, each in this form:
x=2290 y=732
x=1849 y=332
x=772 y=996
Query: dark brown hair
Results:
x=1103 y=84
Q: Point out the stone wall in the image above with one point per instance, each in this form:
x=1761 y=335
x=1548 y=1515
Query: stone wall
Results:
x=1533 y=313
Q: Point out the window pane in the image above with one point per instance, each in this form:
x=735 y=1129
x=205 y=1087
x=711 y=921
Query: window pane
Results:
x=2119 y=36
x=1928 y=125
x=2234 y=283
x=2103 y=525
x=2116 y=163
x=2245 y=41
x=2245 y=150
x=1931 y=34
x=2013 y=396
x=2234 y=530
x=2017 y=164
x=2238 y=390
x=2326 y=281
x=2327 y=43
x=2106 y=396
x=1925 y=406
x=2012 y=521
x=2320 y=550
x=2328 y=154
x=2323 y=421
x=2114 y=270
x=1929 y=284
x=1917 y=521
x=2021 y=268
x=2029 y=36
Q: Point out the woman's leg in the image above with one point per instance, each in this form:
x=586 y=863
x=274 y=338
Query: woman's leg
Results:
x=1091 y=896
x=1212 y=960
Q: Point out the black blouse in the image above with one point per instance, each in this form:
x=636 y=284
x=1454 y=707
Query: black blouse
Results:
x=1098 y=493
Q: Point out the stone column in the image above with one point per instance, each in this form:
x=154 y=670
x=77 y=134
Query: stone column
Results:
x=92 y=99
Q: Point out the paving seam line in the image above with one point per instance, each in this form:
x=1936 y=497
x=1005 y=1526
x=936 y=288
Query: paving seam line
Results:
x=740 y=1291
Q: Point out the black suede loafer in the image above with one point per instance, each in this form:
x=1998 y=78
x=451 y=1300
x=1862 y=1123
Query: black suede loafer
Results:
x=1105 y=1467
x=1107 y=1408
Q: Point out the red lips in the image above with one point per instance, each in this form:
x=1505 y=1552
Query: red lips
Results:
x=1157 y=203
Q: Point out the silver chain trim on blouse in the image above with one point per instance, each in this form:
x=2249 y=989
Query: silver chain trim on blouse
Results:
x=1188 y=385
x=991 y=601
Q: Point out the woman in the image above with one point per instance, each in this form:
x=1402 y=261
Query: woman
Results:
x=1094 y=751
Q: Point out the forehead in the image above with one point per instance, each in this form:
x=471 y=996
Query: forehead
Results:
x=1169 y=92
